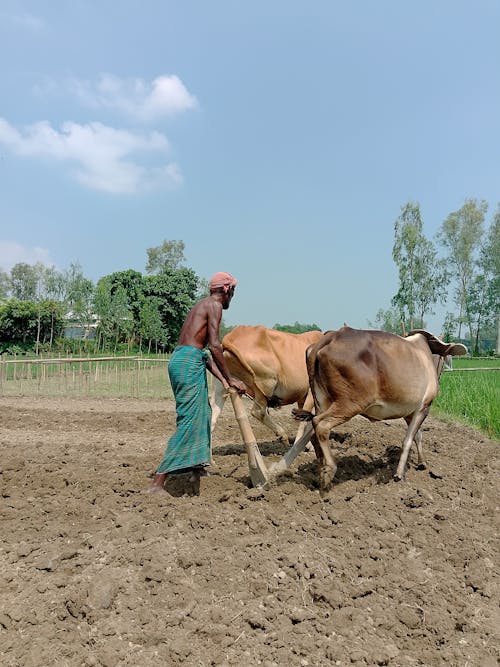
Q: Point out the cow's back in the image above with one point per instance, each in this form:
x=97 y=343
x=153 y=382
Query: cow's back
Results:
x=272 y=360
x=380 y=373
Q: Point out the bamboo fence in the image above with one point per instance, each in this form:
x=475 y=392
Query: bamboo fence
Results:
x=112 y=377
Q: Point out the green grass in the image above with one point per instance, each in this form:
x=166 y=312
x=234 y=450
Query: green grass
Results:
x=471 y=397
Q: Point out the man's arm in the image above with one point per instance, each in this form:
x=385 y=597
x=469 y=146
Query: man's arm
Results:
x=214 y=317
x=214 y=369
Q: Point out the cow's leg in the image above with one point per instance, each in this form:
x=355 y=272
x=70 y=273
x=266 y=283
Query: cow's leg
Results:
x=308 y=405
x=260 y=411
x=421 y=465
x=217 y=401
x=323 y=424
x=415 y=422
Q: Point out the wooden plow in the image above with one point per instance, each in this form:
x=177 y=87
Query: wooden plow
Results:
x=260 y=474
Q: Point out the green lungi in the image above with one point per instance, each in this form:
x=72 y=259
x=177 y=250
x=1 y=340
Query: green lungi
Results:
x=189 y=446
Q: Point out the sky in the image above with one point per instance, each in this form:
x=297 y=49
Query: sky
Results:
x=278 y=140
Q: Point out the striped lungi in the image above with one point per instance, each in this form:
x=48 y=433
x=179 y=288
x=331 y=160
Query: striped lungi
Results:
x=189 y=446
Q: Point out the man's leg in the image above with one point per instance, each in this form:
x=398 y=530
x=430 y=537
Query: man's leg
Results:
x=158 y=482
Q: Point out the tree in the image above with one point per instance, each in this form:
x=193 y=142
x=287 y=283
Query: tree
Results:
x=175 y=291
x=421 y=274
x=54 y=283
x=493 y=245
x=296 y=328
x=133 y=284
x=389 y=320
x=461 y=234
x=485 y=290
x=167 y=256
x=203 y=289
x=28 y=323
x=150 y=323
x=23 y=281
x=4 y=285
x=116 y=320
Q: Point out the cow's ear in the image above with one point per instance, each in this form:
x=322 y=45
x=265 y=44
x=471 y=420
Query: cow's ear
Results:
x=457 y=350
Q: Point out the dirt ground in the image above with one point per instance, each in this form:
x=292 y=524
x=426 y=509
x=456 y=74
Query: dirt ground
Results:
x=93 y=571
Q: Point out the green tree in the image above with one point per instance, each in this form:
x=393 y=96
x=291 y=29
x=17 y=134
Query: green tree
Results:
x=461 y=234
x=485 y=288
x=150 y=323
x=54 y=284
x=389 y=320
x=28 y=323
x=23 y=281
x=421 y=274
x=296 y=328
x=175 y=291
x=133 y=284
x=167 y=256
x=203 y=289
x=116 y=320
x=4 y=285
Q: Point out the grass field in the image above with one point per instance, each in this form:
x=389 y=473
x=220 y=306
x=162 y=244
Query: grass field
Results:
x=471 y=396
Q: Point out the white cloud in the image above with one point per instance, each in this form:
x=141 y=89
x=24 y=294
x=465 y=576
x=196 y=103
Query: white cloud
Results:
x=164 y=96
x=25 y=21
x=101 y=155
x=12 y=253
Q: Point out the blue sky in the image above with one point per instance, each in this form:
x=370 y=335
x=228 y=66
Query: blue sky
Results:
x=278 y=140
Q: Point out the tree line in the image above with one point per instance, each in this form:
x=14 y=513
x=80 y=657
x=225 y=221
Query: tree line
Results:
x=124 y=310
x=468 y=269
x=129 y=310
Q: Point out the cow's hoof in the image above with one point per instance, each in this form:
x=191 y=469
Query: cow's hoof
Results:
x=398 y=478
x=326 y=495
x=422 y=466
x=326 y=475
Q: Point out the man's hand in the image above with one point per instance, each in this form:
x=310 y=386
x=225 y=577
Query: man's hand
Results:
x=238 y=385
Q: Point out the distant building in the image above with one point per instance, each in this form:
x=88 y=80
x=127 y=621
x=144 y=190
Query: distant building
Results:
x=76 y=330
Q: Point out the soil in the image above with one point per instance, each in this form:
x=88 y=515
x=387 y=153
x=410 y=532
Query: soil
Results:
x=93 y=571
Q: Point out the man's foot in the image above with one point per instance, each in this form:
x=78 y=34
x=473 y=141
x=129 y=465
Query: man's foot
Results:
x=157 y=483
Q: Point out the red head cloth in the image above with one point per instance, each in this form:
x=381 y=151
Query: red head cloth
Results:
x=222 y=279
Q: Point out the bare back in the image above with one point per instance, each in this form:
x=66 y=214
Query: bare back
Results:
x=201 y=326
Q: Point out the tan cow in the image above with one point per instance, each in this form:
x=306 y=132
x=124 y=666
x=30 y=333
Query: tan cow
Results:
x=375 y=374
x=272 y=364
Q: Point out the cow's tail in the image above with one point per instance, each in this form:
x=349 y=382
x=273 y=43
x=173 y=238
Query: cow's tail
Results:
x=229 y=347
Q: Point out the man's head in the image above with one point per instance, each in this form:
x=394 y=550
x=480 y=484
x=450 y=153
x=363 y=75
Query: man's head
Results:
x=223 y=283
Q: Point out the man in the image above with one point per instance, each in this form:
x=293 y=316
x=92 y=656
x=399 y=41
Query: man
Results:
x=188 y=450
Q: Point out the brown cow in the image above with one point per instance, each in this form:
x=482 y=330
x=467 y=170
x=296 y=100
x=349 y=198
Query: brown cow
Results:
x=375 y=374
x=272 y=365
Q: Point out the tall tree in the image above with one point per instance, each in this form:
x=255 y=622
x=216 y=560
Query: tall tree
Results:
x=54 y=283
x=167 y=256
x=150 y=324
x=175 y=292
x=116 y=321
x=4 y=285
x=461 y=234
x=421 y=274
x=485 y=302
x=23 y=281
x=389 y=320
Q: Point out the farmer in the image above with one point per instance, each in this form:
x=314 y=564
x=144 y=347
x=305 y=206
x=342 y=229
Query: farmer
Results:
x=188 y=450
